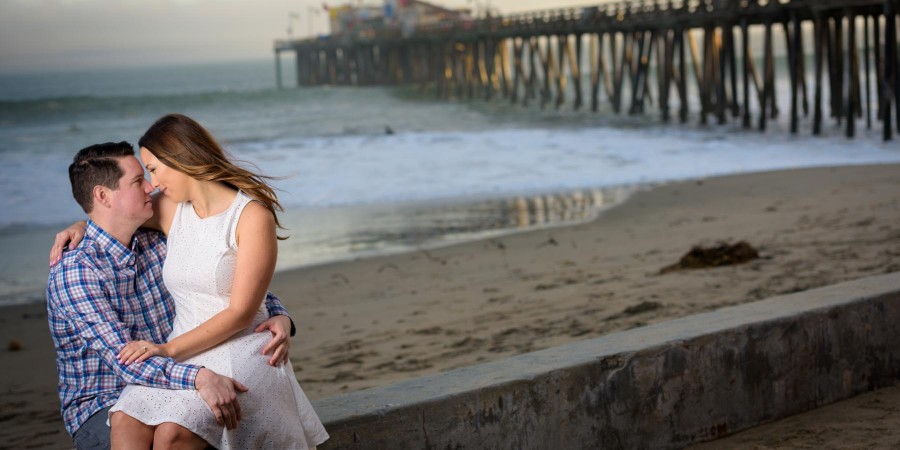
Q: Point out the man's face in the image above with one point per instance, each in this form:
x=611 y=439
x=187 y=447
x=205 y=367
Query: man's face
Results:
x=131 y=201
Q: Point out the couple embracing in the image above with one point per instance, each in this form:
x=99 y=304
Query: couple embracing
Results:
x=165 y=334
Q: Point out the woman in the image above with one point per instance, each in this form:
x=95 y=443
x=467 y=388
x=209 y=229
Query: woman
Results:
x=220 y=223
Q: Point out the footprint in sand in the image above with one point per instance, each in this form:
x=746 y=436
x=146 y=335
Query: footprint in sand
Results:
x=428 y=331
x=468 y=342
x=500 y=300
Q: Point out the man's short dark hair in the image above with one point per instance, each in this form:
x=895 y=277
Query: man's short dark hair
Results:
x=97 y=165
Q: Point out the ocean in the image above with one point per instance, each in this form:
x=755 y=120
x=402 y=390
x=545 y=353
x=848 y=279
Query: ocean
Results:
x=365 y=171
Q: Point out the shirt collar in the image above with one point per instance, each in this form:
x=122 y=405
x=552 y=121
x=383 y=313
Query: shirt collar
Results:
x=123 y=256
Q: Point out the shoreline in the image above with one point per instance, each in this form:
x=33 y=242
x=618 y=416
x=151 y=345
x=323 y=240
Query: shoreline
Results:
x=390 y=229
x=377 y=320
x=402 y=225
x=414 y=225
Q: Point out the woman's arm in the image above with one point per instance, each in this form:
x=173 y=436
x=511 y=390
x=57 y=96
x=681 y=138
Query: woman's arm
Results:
x=163 y=214
x=255 y=266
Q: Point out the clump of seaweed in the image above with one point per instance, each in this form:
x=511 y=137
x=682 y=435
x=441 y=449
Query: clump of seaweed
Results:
x=721 y=255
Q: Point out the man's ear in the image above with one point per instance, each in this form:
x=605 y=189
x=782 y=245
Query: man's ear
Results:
x=101 y=196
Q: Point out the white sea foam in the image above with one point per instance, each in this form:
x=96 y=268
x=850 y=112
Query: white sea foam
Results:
x=420 y=166
x=373 y=169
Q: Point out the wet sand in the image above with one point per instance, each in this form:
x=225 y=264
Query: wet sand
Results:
x=383 y=319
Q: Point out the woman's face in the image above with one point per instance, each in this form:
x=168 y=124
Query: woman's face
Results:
x=170 y=182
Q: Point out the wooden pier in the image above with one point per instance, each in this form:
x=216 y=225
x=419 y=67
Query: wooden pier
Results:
x=718 y=56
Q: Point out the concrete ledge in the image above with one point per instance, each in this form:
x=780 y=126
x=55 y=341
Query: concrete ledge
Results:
x=663 y=386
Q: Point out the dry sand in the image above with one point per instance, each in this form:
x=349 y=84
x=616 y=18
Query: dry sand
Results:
x=379 y=320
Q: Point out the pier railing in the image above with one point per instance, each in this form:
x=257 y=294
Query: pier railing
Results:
x=668 y=54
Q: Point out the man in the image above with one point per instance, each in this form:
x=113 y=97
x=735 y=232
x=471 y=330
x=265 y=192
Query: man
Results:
x=109 y=291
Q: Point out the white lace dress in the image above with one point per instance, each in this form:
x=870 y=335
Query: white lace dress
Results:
x=198 y=273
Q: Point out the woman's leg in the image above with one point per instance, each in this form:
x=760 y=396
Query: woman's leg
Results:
x=170 y=435
x=128 y=433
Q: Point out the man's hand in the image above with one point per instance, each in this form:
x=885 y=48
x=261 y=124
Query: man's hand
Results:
x=72 y=236
x=220 y=393
x=280 y=345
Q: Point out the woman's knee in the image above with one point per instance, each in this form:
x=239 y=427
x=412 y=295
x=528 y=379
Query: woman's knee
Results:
x=172 y=435
x=123 y=421
x=126 y=432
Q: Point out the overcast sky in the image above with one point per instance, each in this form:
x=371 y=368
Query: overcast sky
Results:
x=37 y=35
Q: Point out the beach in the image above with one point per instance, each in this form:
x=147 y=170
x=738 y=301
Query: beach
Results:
x=378 y=320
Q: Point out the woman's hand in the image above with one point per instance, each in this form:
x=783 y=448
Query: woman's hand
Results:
x=72 y=235
x=137 y=351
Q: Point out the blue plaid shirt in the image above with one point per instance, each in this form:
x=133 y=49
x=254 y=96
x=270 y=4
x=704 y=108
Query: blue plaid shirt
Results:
x=101 y=296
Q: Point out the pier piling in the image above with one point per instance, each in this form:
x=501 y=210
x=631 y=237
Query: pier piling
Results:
x=537 y=55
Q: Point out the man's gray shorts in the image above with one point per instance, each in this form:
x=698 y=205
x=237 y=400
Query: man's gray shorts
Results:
x=93 y=434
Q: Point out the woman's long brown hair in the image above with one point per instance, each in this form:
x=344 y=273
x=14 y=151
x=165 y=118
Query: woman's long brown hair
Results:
x=184 y=145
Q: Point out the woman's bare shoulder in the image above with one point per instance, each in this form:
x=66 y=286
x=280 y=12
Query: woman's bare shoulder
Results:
x=256 y=219
x=163 y=212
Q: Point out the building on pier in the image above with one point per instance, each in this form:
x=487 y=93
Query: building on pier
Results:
x=405 y=15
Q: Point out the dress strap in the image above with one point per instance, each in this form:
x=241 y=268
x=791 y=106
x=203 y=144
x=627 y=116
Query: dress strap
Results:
x=234 y=216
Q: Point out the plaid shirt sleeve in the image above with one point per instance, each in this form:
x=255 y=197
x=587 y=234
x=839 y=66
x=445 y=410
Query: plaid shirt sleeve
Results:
x=276 y=308
x=80 y=296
